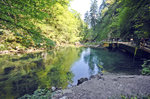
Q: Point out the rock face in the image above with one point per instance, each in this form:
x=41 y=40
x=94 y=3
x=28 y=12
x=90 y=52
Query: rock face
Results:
x=109 y=87
x=80 y=81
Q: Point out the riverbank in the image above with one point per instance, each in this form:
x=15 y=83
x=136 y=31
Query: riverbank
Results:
x=110 y=86
x=20 y=51
x=35 y=50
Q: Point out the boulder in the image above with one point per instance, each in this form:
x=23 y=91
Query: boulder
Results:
x=80 y=81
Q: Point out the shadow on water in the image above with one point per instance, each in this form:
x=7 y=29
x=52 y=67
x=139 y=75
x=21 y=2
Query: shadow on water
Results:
x=115 y=61
x=23 y=74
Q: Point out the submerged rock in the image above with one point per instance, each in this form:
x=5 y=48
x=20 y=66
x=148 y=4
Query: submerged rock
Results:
x=80 y=81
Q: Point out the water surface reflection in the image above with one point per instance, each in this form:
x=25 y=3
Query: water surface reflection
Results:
x=23 y=74
x=95 y=60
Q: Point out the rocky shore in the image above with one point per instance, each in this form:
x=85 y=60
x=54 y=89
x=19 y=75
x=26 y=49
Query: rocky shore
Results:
x=20 y=51
x=110 y=86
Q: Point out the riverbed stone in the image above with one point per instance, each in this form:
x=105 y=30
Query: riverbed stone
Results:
x=53 y=88
x=80 y=81
x=113 y=87
x=92 y=77
x=66 y=91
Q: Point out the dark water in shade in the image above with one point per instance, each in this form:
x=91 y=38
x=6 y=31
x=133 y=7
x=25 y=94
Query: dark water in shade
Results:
x=23 y=74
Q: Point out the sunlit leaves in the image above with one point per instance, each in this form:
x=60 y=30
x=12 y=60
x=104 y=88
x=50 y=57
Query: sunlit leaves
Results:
x=43 y=21
x=66 y=24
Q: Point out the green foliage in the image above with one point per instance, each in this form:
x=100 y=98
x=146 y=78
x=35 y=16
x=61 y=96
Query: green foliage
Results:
x=134 y=97
x=90 y=19
x=93 y=13
x=123 y=19
x=38 y=94
x=41 y=23
x=18 y=15
x=135 y=51
x=87 y=18
x=125 y=97
x=146 y=68
x=66 y=24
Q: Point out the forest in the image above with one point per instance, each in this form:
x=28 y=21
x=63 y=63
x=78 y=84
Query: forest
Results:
x=38 y=24
x=47 y=23
x=122 y=19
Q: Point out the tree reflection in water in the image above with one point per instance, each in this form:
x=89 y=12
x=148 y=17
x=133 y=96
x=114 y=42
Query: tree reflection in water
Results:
x=111 y=61
x=23 y=74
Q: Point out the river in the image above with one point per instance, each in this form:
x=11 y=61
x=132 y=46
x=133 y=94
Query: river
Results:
x=24 y=73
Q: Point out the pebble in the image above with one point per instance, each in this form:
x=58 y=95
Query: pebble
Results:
x=67 y=91
x=53 y=88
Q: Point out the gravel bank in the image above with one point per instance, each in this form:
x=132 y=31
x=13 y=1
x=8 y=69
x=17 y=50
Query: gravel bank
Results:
x=108 y=87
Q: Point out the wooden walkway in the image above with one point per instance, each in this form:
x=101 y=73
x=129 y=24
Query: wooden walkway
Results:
x=132 y=45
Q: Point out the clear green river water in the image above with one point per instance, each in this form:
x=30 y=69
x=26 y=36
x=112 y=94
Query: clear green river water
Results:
x=24 y=73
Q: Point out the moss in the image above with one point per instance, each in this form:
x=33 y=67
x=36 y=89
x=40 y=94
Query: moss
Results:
x=146 y=67
x=134 y=97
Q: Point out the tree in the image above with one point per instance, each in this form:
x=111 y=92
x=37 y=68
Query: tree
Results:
x=19 y=17
x=93 y=13
x=102 y=6
x=38 y=23
x=87 y=18
x=124 y=19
